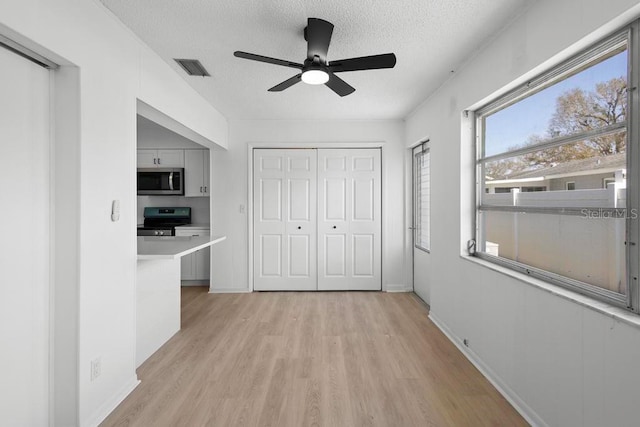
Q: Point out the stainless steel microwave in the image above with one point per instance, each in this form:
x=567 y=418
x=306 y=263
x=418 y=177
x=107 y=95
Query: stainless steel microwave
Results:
x=161 y=181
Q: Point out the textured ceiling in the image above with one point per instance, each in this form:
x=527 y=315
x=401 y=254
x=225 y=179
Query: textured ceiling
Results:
x=429 y=37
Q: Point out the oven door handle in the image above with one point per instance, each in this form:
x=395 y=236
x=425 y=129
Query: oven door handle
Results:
x=171 y=181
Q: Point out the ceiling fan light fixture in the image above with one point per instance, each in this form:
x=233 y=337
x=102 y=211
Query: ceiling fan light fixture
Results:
x=315 y=77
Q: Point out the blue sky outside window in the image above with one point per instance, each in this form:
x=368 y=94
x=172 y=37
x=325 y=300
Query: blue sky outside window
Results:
x=514 y=125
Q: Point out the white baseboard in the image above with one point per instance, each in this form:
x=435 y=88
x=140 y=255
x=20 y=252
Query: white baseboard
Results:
x=189 y=283
x=525 y=410
x=389 y=288
x=229 y=291
x=103 y=411
x=397 y=288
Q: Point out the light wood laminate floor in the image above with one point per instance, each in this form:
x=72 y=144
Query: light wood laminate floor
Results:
x=317 y=358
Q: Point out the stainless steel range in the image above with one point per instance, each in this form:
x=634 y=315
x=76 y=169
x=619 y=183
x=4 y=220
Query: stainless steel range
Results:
x=163 y=221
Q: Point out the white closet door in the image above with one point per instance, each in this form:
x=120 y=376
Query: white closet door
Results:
x=349 y=223
x=284 y=220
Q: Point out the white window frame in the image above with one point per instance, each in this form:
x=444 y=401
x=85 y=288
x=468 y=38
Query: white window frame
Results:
x=419 y=151
x=631 y=300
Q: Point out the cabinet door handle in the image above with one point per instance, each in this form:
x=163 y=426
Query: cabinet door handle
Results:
x=154 y=161
x=158 y=160
x=205 y=189
x=201 y=189
x=334 y=227
x=299 y=228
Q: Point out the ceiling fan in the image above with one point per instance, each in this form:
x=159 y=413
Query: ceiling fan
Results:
x=316 y=69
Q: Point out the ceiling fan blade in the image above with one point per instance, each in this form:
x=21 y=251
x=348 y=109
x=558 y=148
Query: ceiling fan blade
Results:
x=339 y=86
x=318 y=35
x=260 y=58
x=287 y=83
x=374 y=62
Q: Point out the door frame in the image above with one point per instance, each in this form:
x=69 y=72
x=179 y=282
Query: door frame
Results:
x=301 y=145
x=410 y=205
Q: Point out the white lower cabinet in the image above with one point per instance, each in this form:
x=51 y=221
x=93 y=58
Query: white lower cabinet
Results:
x=195 y=266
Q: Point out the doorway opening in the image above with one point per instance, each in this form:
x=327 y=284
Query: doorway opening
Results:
x=421 y=196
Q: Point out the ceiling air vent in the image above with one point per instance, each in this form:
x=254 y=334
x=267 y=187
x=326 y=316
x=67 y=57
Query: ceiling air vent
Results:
x=193 y=67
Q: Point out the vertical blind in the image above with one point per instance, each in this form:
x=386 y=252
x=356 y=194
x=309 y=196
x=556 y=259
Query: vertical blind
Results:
x=422 y=196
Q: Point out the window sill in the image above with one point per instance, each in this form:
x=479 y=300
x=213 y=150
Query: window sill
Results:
x=612 y=311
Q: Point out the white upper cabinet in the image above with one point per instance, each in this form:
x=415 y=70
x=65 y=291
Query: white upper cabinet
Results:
x=161 y=159
x=171 y=158
x=196 y=173
x=147 y=158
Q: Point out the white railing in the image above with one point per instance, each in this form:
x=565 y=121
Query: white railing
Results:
x=586 y=248
x=614 y=196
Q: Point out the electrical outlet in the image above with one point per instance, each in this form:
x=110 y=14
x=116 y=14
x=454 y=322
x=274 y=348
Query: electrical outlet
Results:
x=96 y=368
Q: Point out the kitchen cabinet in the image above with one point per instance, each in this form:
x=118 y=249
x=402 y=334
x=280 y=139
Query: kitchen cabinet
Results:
x=195 y=266
x=160 y=158
x=196 y=173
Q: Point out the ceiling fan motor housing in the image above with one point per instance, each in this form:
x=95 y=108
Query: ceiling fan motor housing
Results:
x=314 y=64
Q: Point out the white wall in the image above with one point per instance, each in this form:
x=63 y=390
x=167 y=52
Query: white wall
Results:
x=230 y=191
x=564 y=364
x=24 y=253
x=153 y=135
x=115 y=70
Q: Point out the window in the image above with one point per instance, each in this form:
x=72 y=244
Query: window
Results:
x=532 y=189
x=422 y=196
x=570 y=125
x=503 y=189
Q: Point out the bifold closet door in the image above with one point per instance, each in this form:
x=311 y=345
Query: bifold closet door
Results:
x=349 y=219
x=284 y=219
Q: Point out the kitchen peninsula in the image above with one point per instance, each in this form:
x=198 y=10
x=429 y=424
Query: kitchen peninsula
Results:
x=158 y=288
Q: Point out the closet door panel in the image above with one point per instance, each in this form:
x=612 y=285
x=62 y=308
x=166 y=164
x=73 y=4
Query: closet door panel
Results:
x=284 y=189
x=349 y=225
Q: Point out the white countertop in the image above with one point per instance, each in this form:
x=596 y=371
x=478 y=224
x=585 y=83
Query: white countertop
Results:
x=172 y=247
